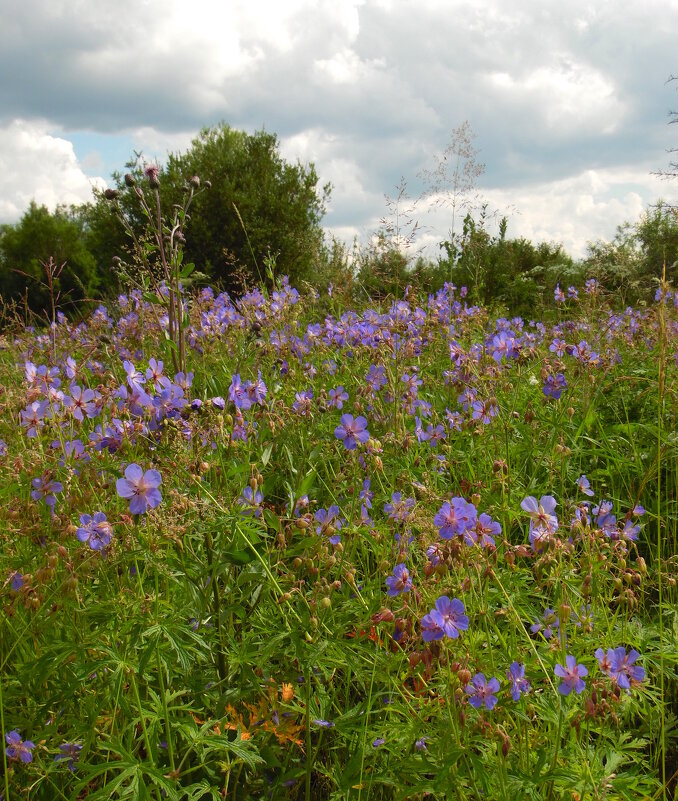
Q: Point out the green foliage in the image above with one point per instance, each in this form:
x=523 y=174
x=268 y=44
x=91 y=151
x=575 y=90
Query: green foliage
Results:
x=28 y=245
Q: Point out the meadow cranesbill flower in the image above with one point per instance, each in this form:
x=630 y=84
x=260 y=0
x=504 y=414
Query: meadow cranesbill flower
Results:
x=95 y=530
x=584 y=486
x=302 y=402
x=71 y=752
x=45 y=487
x=483 y=533
x=543 y=523
x=18 y=748
x=330 y=523
x=447 y=617
x=519 y=684
x=337 y=397
x=140 y=488
x=482 y=692
x=378 y=742
x=619 y=665
x=554 y=386
x=572 y=676
x=548 y=625
x=454 y=517
x=399 y=582
x=325 y=724
x=351 y=431
x=398 y=509
x=251 y=501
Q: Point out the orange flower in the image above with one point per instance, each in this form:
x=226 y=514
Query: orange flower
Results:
x=287 y=693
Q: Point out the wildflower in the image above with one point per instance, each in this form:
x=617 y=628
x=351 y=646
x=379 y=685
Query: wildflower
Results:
x=584 y=486
x=619 y=666
x=302 y=403
x=483 y=533
x=337 y=397
x=481 y=691
x=376 y=378
x=140 y=488
x=399 y=582
x=45 y=488
x=17 y=581
x=352 y=431
x=543 y=523
x=446 y=619
x=95 y=531
x=554 y=386
x=519 y=684
x=71 y=752
x=251 y=500
x=548 y=626
x=18 y=748
x=455 y=517
x=399 y=510
x=420 y=744
x=378 y=742
x=571 y=675
x=484 y=411
x=330 y=523
x=558 y=294
x=325 y=724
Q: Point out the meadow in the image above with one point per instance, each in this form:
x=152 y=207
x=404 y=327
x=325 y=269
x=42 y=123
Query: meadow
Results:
x=408 y=550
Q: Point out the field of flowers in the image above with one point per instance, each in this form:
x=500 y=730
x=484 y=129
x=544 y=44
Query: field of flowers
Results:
x=407 y=552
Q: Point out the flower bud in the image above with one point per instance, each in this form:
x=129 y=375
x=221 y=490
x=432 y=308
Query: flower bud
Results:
x=111 y=194
x=130 y=181
x=195 y=181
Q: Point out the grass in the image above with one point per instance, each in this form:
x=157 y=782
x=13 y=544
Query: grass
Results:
x=237 y=640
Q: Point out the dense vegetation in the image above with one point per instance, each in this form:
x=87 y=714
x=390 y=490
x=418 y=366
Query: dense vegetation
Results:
x=410 y=551
x=259 y=210
x=359 y=541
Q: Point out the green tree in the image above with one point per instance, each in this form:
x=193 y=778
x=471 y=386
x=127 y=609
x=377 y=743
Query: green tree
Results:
x=27 y=246
x=258 y=206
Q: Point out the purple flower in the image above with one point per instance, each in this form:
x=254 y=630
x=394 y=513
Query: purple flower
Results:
x=17 y=581
x=398 y=509
x=18 y=748
x=447 y=618
x=69 y=751
x=571 y=675
x=554 y=386
x=519 y=684
x=325 y=724
x=619 y=665
x=251 y=500
x=140 y=488
x=549 y=623
x=420 y=744
x=352 y=431
x=45 y=488
x=455 y=517
x=584 y=486
x=378 y=742
x=543 y=523
x=330 y=523
x=482 y=692
x=95 y=531
x=302 y=402
x=337 y=397
x=399 y=582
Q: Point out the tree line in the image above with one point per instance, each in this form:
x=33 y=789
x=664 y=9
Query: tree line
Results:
x=257 y=213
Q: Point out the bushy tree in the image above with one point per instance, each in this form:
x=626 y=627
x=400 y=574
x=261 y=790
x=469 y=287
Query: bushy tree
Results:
x=25 y=249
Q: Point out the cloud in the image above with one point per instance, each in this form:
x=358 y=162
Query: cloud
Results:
x=367 y=89
x=35 y=165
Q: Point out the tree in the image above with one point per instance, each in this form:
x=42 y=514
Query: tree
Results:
x=25 y=249
x=258 y=205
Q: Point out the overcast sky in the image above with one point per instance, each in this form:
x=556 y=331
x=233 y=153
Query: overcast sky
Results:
x=569 y=101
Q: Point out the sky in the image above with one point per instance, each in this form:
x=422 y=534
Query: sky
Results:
x=568 y=102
